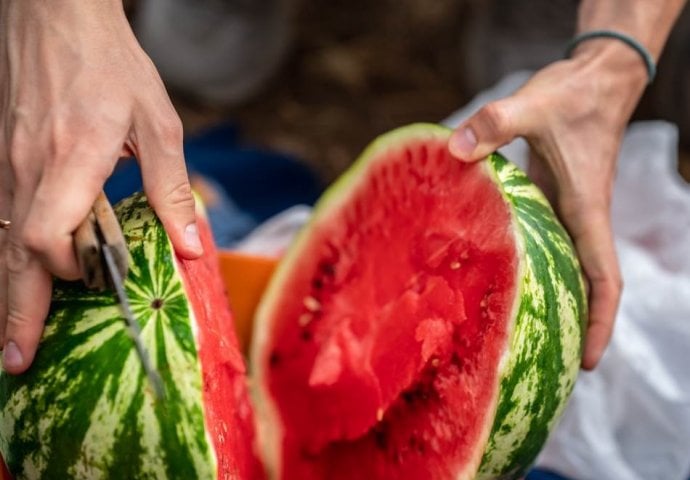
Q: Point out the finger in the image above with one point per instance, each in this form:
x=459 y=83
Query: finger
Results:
x=29 y=290
x=159 y=145
x=5 y=202
x=3 y=285
x=62 y=201
x=540 y=173
x=591 y=230
x=493 y=126
x=29 y=301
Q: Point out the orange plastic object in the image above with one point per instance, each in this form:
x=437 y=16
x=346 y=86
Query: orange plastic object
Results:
x=245 y=277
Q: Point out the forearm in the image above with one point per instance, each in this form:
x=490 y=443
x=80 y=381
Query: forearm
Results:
x=614 y=72
x=648 y=21
x=51 y=38
x=60 y=15
x=57 y=5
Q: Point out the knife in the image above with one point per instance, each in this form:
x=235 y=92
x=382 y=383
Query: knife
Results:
x=104 y=261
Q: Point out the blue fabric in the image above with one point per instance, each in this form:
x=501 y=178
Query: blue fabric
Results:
x=256 y=183
x=538 y=474
x=229 y=224
x=260 y=182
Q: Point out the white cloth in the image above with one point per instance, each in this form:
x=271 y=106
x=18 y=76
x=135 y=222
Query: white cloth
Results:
x=272 y=237
x=630 y=418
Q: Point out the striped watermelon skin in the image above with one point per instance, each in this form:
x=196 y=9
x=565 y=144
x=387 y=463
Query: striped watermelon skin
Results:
x=542 y=351
x=85 y=409
x=543 y=357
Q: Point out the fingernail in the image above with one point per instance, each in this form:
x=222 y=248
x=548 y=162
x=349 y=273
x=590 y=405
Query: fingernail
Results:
x=191 y=238
x=12 y=357
x=463 y=143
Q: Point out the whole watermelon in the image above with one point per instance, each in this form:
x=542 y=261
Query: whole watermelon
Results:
x=427 y=323
x=85 y=409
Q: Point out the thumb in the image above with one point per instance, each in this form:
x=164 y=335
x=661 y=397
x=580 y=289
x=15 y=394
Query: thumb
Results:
x=167 y=185
x=494 y=125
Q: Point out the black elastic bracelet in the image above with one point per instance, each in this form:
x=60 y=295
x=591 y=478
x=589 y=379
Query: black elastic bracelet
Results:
x=627 y=39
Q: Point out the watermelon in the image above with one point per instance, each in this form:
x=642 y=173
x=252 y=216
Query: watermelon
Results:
x=86 y=410
x=427 y=323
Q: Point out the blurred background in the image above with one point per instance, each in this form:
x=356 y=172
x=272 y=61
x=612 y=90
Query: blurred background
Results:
x=278 y=97
x=342 y=72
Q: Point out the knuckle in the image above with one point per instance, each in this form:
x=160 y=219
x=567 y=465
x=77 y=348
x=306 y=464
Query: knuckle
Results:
x=16 y=319
x=17 y=257
x=495 y=118
x=575 y=203
x=608 y=283
x=181 y=195
x=169 y=129
x=176 y=197
x=571 y=204
x=23 y=172
x=33 y=239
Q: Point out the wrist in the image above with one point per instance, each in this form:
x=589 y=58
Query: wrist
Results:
x=614 y=65
x=648 y=21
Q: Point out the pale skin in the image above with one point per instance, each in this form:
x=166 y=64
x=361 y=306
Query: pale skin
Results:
x=77 y=92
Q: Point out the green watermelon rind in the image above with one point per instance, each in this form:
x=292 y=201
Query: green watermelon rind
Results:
x=528 y=402
x=100 y=374
x=534 y=390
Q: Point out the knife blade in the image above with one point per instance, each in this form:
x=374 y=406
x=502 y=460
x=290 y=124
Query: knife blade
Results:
x=132 y=324
x=103 y=260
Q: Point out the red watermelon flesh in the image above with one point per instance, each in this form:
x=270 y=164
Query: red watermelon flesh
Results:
x=4 y=474
x=228 y=412
x=398 y=317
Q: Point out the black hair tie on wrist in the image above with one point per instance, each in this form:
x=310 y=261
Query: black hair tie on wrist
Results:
x=627 y=39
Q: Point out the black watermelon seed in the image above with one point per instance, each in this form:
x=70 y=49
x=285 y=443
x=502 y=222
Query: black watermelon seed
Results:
x=456 y=360
x=327 y=269
x=306 y=335
x=381 y=439
x=307 y=455
x=274 y=359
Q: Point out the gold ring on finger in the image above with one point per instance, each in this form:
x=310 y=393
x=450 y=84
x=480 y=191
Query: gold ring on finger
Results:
x=5 y=224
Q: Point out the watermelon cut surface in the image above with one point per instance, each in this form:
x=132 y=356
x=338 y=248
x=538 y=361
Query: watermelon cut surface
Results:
x=427 y=323
x=85 y=408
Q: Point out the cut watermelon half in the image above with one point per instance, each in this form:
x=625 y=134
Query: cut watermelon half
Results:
x=85 y=408
x=426 y=324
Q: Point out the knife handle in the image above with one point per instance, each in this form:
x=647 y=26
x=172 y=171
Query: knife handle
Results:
x=87 y=247
x=111 y=232
x=98 y=228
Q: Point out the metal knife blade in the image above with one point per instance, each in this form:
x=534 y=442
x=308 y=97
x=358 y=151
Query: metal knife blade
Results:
x=132 y=324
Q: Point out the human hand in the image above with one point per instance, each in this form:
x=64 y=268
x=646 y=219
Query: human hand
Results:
x=573 y=114
x=77 y=92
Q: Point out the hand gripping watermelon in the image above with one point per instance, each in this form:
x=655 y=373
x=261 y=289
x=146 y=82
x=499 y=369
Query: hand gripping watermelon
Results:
x=427 y=324
x=85 y=409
